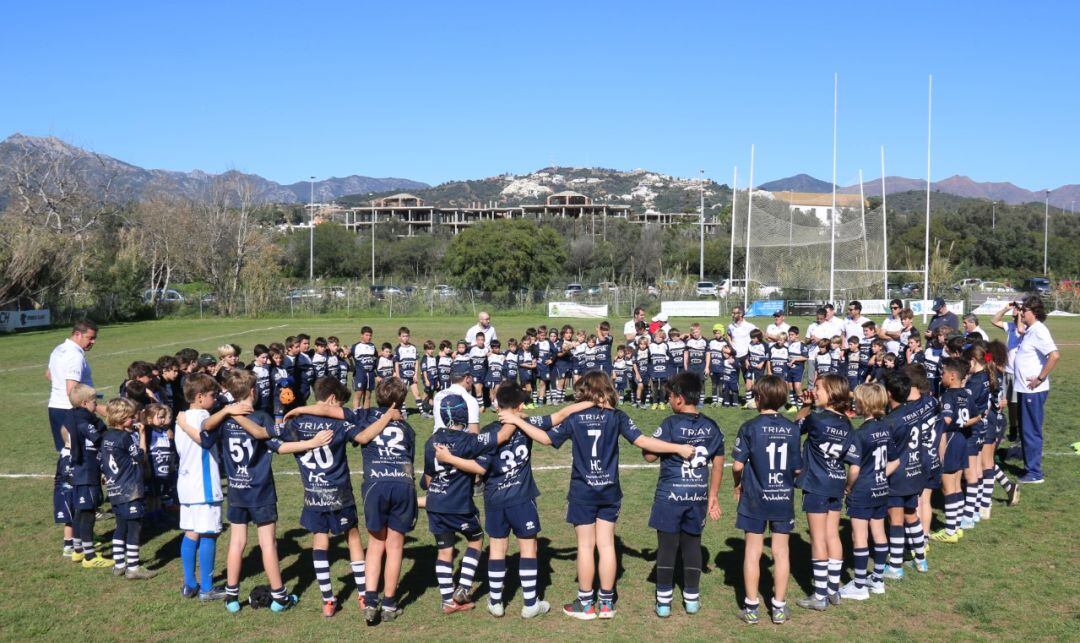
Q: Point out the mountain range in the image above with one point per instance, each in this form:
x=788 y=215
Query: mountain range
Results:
x=1063 y=197
x=641 y=189
x=130 y=182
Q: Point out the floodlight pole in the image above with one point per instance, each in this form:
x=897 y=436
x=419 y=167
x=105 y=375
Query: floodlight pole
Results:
x=311 y=236
x=731 y=253
x=926 y=246
x=993 y=217
x=1046 y=234
x=701 y=235
x=862 y=214
x=832 y=215
x=749 y=211
x=884 y=224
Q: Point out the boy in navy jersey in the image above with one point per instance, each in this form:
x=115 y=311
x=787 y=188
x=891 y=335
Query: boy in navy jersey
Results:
x=261 y=368
x=853 y=366
x=797 y=357
x=305 y=369
x=756 y=359
x=527 y=362
x=604 y=346
x=929 y=439
x=953 y=445
x=512 y=363
x=778 y=362
x=87 y=430
x=906 y=474
x=496 y=362
x=869 y=334
x=168 y=369
x=563 y=364
x=329 y=504
x=429 y=374
x=63 y=496
x=730 y=376
x=478 y=355
x=364 y=356
x=660 y=368
x=828 y=437
x=405 y=360
x=867 y=492
x=162 y=459
x=697 y=350
x=677 y=353
x=445 y=364
x=642 y=373
x=337 y=361
x=279 y=381
x=767 y=461
x=621 y=369
x=249 y=442
x=461 y=363
x=684 y=492
x=595 y=495
x=385 y=365
x=545 y=359
x=714 y=362
x=122 y=454
x=319 y=359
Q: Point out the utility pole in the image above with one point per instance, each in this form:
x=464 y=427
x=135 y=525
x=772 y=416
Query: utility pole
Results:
x=1046 y=234
x=701 y=240
x=311 y=236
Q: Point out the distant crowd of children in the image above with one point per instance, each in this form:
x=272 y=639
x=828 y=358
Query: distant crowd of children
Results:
x=930 y=420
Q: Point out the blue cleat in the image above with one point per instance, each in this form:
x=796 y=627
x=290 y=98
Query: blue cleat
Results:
x=663 y=611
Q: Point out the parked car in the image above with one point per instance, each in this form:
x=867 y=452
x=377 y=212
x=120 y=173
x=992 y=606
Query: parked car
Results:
x=572 y=290
x=652 y=291
x=169 y=296
x=738 y=286
x=1036 y=286
x=337 y=292
x=393 y=291
x=609 y=286
x=443 y=291
x=969 y=283
x=705 y=289
x=994 y=286
x=298 y=294
x=911 y=289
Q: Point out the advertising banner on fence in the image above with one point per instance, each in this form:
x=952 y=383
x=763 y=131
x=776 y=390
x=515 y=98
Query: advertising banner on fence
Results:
x=991 y=306
x=703 y=308
x=12 y=320
x=874 y=306
x=764 y=307
x=574 y=309
x=922 y=306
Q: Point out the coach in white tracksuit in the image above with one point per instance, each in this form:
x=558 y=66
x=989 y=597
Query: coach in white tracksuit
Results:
x=462 y=386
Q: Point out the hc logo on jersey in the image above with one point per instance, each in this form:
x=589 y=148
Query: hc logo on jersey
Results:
x=241 y=471
x=594 y=465
x=318 y=478
x=776 y=478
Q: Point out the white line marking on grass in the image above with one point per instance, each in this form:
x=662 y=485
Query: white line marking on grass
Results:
x=150 y=348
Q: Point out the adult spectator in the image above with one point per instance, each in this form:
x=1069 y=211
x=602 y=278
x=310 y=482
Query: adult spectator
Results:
x=942 y=317
x=892 y=327
x=459 y=392
x=630 y=328
x=481 y=327
x=1014 y=332
x=1035 y=359
x=813 y=336
x=855 y=320
x=971 y=325
x=777 y=330
x=659 y=323
x=738 y=334
x=68 y=367
x=830 y=326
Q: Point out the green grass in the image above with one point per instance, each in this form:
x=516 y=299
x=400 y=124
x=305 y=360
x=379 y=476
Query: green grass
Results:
x=1012 y=577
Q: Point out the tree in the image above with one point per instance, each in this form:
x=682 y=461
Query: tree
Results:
x=505 y=255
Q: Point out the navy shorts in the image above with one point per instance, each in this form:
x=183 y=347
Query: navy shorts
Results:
x=579 y=514
x=390 y=505
x=133 y=510
x=478 y=376
x=974 y=446
x=88 y=497
x=559 y=371
x=246 y=515
x=63 y=501
x=364 y=381
x=757 y=526
x=933 y=479
x=328 y=522
x=492 y=383
x=867 y=513
x=815 y=503
x=672 y=517
x=523 y=519
x=794 y=375
x=907 y=502
x=445 y=527
x=955 y=453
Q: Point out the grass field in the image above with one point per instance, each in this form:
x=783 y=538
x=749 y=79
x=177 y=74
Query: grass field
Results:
x=1013 y=577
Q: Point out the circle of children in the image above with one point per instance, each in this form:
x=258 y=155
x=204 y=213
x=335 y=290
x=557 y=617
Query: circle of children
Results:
x=927 y=419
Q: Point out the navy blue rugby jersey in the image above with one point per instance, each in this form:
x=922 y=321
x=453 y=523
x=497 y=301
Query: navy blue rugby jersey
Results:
x=796 y=349
x=828 y=437
x=162 y=453
x=929 y=436
x=677 y=351
x=384 y=367
x=954 y=405
x=406 y=355
x=979 y=402
x=63 y=476
x=445 y=365
x=756 y=356
x=429 y=368
x=931 y=363
x=716 y=356
x=319 y=365
x=247 y=462
x=730 y=371
x=619 y=372
x=687 y=481
x=778 y=360
x=509 y=478
x=594 y=433
x=864 y=350
x=768 y=446
x=478 y=363
x=641 y=359
x=85 y=441
x=262 y=388
x=869 y=450
x=121 y=464
x=388 y=457
x=696 y=349
x=495 y=365
x=511 y=366
x=450 y=489
x=461 y=365
x=364 y=355
x=305 y=375
x=324 y=471
x=603 y=353
x=905 y=432
x=659 y=361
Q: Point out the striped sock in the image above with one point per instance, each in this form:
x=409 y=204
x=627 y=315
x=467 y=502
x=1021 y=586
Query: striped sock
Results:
x=279 y=594
x=881 y=554
x=607 y=595
x=664 y=593
x=359 y=575
x=862 y=561
x=132 y=556
x=69 y=543
x=821 y=578
x=896 y=545
x=917 y=539
x=76 y=544
x=527 y=572
x=322 y=573
x=468 y=567
x=585 y=596
x=834 y=574
x=750 y=605
x=691 y=593
x=496 y=574
x=999 y=477
x=978 y=497
x=118 y=552
x=444 y=573
x=987 y=488
x=972 y=502
x=232 y=592
x=954 y=504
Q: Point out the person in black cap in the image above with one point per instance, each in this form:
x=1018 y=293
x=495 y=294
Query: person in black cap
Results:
x=942 y=317
x=777 y=330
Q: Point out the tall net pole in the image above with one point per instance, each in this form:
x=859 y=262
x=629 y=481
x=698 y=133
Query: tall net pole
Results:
x=926 y=249
x=832 y=228
x=731 y=253
x=884 y=225
x=862 y=214
x=749 y=212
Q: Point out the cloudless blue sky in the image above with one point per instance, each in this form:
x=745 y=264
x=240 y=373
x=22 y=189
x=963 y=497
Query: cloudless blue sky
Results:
x=447 y=90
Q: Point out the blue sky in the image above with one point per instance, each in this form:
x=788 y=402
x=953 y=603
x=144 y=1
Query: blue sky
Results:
x=440 y=91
